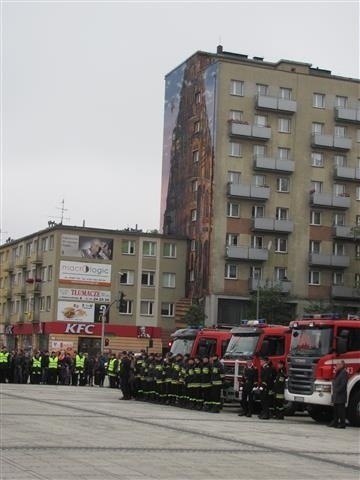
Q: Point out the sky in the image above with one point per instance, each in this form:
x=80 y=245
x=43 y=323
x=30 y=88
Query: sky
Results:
x=82 y=94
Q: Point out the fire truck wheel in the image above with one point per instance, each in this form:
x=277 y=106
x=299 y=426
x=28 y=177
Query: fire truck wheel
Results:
x=320 y=414
x=353 y=410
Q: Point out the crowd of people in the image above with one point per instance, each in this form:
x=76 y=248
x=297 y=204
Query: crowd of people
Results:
x=180 y=380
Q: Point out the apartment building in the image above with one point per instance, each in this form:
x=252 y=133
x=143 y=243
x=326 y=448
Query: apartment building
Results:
x=60 y=289
x=261 y=171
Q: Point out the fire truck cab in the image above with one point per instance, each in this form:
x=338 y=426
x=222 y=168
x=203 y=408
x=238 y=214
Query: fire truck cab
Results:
x=318 y=343
x=251 y=341
x=200 y=342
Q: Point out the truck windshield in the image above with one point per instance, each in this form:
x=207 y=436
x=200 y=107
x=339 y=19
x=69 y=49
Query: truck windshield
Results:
x=182 y=345
x=242 y=346
x=311 y=341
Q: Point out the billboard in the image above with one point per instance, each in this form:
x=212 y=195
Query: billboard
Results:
x=84 y=273
x=76 y=311
x=80 y=246
x=84 y=294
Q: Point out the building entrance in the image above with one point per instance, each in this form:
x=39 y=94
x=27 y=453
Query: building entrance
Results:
x=92 y=345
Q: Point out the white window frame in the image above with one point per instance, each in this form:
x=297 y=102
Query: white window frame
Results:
x=48 y=303
x=128 y=307
x=340 y=160
x=235 y=149
x=169 y=279
x=193 y=215
x=147 y=308
x=284 y=125
x=282 y=213
x=49 y=273
x=341 y=101
x=236 y=115
x=317 y=128
x=237 y=88
x=281 y=245
x=314 y=277
x=285 y=93
x=258 y=211
x=339 y=219
x=262 y=89
x=284 y=153
x=149 y=248
x=148 y=278
x=167 y=309
x=339 y=189
x=193 y=245
x=338 y=278
x=280 y=274
x=195 y=156
x=317 y=159
x=169 y=250
x=259 y=180
x=315 y=217
x=128 y=247
x=340 y=131
x=128 y=276
x=231 y=271
x=260 y=120
x=318 y=100
x=315 y=246
x=234 y=177
x=232 y=239
x=283 y=184
x=233 y=210
x=259 y=151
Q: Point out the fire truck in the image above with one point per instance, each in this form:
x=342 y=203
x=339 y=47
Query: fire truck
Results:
x=318 y=343
x=200 y=342
x=251 y=341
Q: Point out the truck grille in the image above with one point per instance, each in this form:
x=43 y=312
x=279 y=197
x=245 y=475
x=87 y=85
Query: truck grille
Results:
x=301 y=377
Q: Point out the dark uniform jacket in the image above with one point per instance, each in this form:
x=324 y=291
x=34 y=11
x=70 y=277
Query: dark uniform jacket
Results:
x=339 y=385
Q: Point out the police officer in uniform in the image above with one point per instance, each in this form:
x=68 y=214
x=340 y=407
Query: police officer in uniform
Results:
x=4 y=365
x=53 y=369
x=112 y=370
x=35 y=371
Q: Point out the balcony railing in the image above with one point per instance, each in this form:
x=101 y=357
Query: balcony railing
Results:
x=351 y=115
x=347 y=173
x=274 y=164
x=321 y=260
x=246 y=253
x=329 y=200
x=331 y=141
x=19 y=289
x=339 y=291
x=36 y=257
x=344 y=232
x=20 y=261
x=283 y=285
x=273 y=225
x=266 y=102
x=250 y=131
x=248 y=191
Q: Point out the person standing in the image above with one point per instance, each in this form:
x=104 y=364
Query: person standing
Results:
x=112 y=370
x=250 y=377
x=53 y=369
x=124 y=374
x=4 y=364
x=217 y=375
x=35 y=375
x=339 y=396
x=45 y=367
x=279 y=391
x=267 y=377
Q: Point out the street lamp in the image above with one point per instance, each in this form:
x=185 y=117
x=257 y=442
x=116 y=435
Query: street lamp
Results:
x=258 y=277
x=103 y=318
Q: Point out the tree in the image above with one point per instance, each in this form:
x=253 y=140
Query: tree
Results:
x=274 y=306
x=195 y=316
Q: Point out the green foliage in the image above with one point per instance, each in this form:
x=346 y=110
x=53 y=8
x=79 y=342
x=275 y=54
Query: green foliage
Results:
x=195 y=316
x=274 y=306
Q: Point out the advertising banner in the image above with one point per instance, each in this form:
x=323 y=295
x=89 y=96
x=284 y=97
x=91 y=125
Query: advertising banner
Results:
x=76 y=311
x=85 y=273
x=84 y=294
x=80 y=246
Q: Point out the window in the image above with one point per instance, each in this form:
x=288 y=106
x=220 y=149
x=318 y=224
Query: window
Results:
x=126 y=307
x=358 y=135
x=260 y=120
x=315 y=246
x=284 y=125
x=194 y=186
x=340 y=131
x=234 y=177
x=50 y=273
x=235 y=149
x=51 y=242
x=316 y=187
x=43 y=274
x=280 y=245
x=128 y=247
x=148 y=279
x=357 y=193
x=338 y=248
x=126 y=277
x=44 y=244
x=236 y=115
x=339 y=161
x=341 y=101
x=259 y=180
x=197 y=97
x=169 y=280
x=169 y=250
x=282 y=213
x=149 y=249
x=232 y=239
x=196 y=127
x=280 y=273
x=357 y=280
x=230 y=271
x=261 y=89
x=193 y=215
x=192 y=276
x=42 y=303
x=317 y=159
x=318 y=100
x=339 y=189
x=48 y=303
x=255 y=272
x=193 y=245
x=28 y=249
x=257 y=242
x=257 y=211
x=285 y=93
x=259 y=151
x=167 y=309
x=237 y=87
x=233 y=210
x=282 y=184
x=353 y=338
x=317 y=128
x=338 y=278
x=315 y=217
x=283 y=153
x=314 y=277
x=146 y=307
x=195 y=156
x=357 y=220
x=339 y=219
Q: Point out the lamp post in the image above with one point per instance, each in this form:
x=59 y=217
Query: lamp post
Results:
x=258 y=277
x=103 y=318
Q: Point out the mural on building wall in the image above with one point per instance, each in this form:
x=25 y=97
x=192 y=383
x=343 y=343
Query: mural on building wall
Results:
x=188 y=158
x=86 y=247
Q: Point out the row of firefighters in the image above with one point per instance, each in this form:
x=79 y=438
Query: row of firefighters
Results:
x=188 y=382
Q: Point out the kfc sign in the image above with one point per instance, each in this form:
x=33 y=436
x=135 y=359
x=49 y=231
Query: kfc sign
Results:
x=77 y=328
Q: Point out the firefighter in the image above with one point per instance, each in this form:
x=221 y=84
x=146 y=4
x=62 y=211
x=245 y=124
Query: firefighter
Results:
x=206 y=384
x=35 y=371
x=217 y=377
x=139 y=376
x=149 y=378
x=175 y=379
x=279 y=391
x=190 y=386
x=53 y=369
x=112 y=369
x=159 y=379
x=249 y=379
x=4 y=365
x=168 y=367
x=267 y=377
x=198 y=400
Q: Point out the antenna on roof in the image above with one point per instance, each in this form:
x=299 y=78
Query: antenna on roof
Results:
x=62 y=210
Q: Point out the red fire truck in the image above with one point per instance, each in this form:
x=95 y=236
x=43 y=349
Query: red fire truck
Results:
x=200 y=342
x=251 y=341
x=318 y=343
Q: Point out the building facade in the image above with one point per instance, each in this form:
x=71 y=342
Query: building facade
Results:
x=261 y=171
x=60 y=288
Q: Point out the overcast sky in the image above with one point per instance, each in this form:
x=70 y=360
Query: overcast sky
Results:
x=82 y=92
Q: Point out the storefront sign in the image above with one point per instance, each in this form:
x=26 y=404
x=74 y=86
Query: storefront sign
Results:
x=76 y=311
x=85 y=273
x=97 y=248
x=77 y=328
x=84 y=295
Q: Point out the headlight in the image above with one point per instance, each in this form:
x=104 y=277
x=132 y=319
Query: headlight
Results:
x=323 y=387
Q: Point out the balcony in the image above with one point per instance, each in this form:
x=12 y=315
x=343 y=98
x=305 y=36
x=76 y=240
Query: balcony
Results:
x=347 y=233
x=329 y=200
x=274 y=164
x=9 y=267
x=8 y=292
x=347 y=173
x=246 y=253
x=251 y=192
x=336 y=261
x=283 y=285
x=33 y=288
x=275 y=104
x=273 y=225
x=351 y=115
x=339 y=291
x=36 y=258
x=250 y=131
x=331 y=141
x=19 y=290
x=21 y=261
